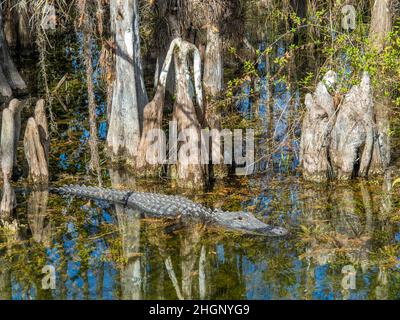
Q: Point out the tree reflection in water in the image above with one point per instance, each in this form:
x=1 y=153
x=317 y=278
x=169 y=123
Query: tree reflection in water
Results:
x=104 y=251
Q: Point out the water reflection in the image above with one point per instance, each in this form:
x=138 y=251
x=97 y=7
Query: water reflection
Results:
x=38 y=217
x=102 y=251
x=128 y=221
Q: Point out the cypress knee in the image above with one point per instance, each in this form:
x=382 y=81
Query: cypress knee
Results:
x=35 y=154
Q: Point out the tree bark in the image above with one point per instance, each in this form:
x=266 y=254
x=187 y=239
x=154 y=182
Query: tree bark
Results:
x=24 y=34
x=213 y=63
x=10 y=31
x=140 y=85
x=35 y=154
x=7 y=160
x=213 y=82
x=317 y=124
x=338 y=142
x=381 y=25
x=16 y=107
x=189 y=174
x=128 y=94
x=16 y=24
x=8 y=200
x=42 y=123
x=353 y=135
x=153 y=114
x=7 y=143
x=8 y=72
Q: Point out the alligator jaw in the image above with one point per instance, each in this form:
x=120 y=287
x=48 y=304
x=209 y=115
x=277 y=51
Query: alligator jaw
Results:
x=270 y=232
x=247 y=223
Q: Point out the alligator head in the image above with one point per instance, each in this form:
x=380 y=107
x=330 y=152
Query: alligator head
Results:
x=246 y=222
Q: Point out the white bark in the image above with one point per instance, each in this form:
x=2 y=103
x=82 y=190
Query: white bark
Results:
x=213 y=64
x=213 y=85
x=7 y=143
x=381 y=23
x=8 y=200
x=128 y=93
x=7 y=149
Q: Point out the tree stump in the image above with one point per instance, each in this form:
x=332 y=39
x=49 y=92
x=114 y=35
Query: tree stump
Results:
x=7 y=160
x=41 y=121
x=35 y=154
x=316 y=128
x=16 y=107
x=338 y=143
x=353 y=135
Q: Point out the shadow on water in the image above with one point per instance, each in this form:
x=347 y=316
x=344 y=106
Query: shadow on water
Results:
x=103 y=251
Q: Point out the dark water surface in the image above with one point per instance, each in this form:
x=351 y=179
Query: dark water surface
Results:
x=102 y=251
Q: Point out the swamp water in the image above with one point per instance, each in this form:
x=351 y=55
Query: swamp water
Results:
x=344 y=244
x=344 y=240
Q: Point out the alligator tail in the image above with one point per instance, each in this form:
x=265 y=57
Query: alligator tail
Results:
x=114 y=196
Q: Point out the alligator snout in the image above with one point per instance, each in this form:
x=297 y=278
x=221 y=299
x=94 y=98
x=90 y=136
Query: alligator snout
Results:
x=247 y=223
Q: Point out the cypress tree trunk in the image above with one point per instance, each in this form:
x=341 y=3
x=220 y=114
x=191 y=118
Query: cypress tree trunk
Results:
x=140 y=86
x=213 y=63
x=16 y=24
x=190 y=173
x=10 y=79
x=10 y=31
x=129 y=97
x=381 y=25
x=16 y=107
x=213 y=82
x=23 y=30
x=7 y=150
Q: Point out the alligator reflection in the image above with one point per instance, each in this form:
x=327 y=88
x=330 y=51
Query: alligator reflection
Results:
x=102 y=251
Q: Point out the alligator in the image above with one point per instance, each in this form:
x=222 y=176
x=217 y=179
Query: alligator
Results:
x=166 y=206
